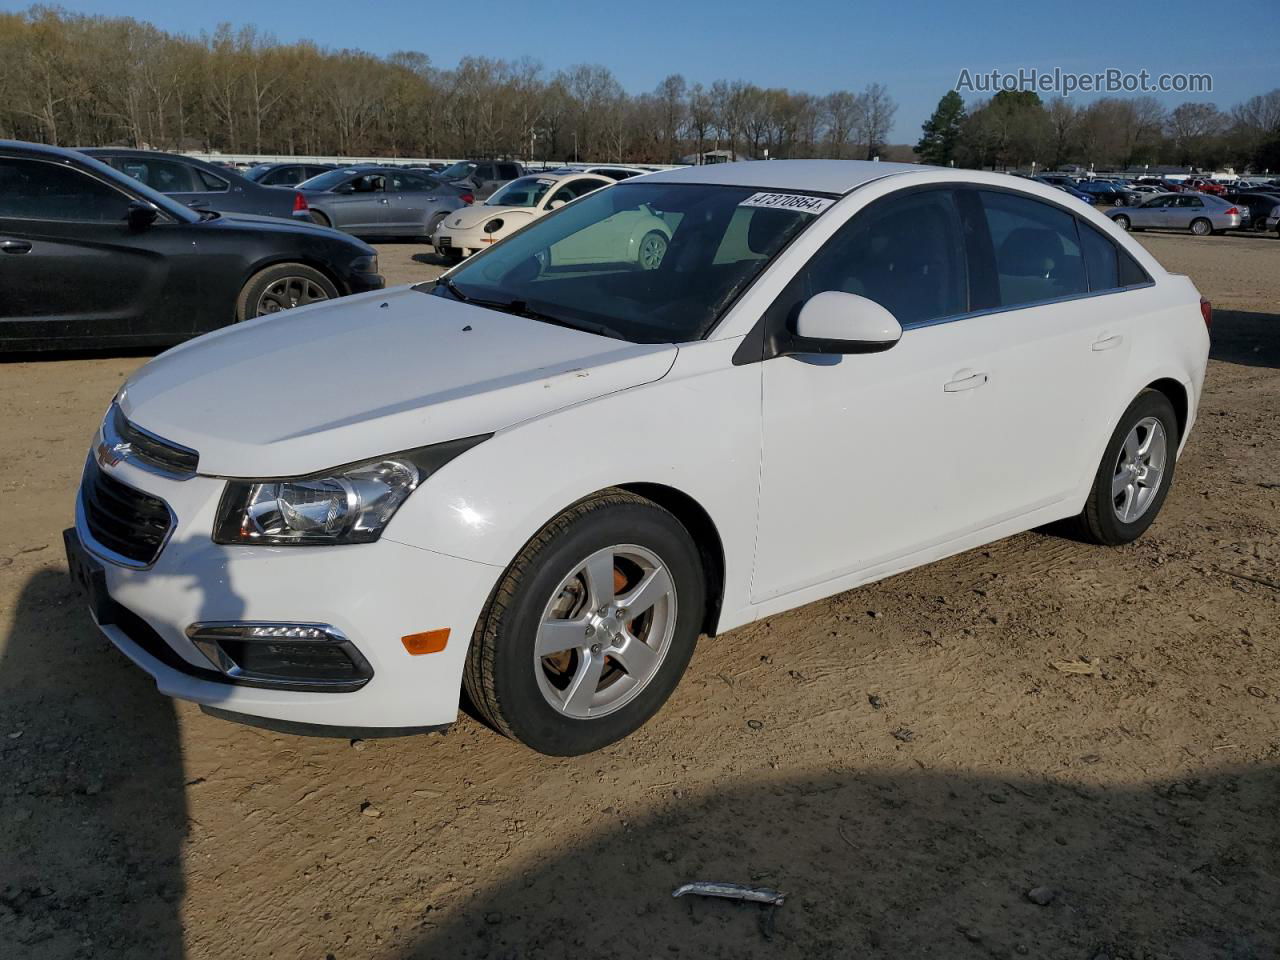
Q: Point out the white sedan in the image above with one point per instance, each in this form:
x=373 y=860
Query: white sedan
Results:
x=546 y=476
x=517 y=204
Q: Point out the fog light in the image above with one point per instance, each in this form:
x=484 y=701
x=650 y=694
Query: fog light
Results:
x=285 y=656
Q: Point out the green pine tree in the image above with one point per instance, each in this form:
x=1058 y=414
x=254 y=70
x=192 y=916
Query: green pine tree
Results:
x=942 y=131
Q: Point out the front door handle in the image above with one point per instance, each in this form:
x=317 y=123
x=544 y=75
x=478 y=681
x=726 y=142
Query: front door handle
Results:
x=965 y=383
x=1107 y=343
x=15 y=246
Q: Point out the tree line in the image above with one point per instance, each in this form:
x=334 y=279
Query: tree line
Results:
x=1014 y=129
x=78 y=80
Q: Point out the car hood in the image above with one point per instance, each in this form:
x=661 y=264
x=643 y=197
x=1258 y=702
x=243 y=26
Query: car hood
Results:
x=333 y=383
x=465 y=218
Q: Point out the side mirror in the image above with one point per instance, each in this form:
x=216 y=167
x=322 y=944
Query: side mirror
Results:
x=836 y=322
x=141 y=216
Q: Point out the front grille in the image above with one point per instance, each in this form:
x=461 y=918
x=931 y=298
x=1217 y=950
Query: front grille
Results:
x=122 y=519
x=446 y=241
x=164 y=455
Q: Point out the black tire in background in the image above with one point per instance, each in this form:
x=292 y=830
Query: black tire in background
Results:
x=249 y=303
x=500 y=675
x=1122 y=222
x=1201 y=227
x=319 y=218
x=432 y=224
x=1099 y=522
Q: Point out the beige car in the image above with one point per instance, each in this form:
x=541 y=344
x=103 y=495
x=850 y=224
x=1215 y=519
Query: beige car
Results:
x=520 y=202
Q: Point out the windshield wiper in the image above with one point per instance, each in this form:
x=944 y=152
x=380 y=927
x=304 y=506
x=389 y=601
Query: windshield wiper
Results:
x=520 y=308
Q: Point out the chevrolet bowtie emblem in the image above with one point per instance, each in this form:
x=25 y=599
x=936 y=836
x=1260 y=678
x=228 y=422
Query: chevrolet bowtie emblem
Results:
x=112 y=455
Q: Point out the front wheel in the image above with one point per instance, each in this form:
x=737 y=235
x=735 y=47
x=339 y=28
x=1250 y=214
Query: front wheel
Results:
x=283 y=287
x=1134 y=477
x=1122 y=222
x=1201 y=227
x=591 y=627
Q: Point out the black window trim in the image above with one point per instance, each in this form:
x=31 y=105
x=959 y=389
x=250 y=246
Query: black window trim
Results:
x=162 y=216
x=763 y=336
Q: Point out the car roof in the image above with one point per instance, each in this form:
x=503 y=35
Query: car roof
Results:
x=821 y=176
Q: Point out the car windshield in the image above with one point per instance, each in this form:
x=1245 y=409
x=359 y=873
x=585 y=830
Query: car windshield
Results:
x=525 y=192
x=458 y=170
x=328 y=180
x=644 y=262
x=257 y=173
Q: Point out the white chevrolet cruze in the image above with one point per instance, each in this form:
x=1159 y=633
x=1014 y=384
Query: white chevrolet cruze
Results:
x=544 y=477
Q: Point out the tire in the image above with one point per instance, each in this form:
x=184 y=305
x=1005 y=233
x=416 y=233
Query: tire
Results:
x=434 y=222
x=652 y=250
x=531 y=699
x=284 y=286
x=1201 y=227
x=1105 y=519
x=319 y=218
x=1122 y=222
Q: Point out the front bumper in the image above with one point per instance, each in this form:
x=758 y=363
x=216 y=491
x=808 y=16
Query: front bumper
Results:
x=469 y=240
x=374 y=593
x=364 y=282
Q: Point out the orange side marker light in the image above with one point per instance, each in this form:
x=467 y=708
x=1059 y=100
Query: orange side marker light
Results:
x=432 y=641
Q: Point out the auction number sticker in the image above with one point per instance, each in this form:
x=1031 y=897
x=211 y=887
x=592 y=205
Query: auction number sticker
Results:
x=788 y=201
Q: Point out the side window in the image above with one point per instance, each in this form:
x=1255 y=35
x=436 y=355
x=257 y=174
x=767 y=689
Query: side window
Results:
x=284 y=176
x=369 y=183
x=167 y=176
x=486 y=172
x=907 y=253
x=40 y=190
x=209 y=182
x=1037 y=253
x=1101 y=259
x=508 y=171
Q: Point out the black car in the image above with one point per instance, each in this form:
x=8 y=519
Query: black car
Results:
x=285 y=174
x=200 y=185
x=1260 y=204
x=91 y=258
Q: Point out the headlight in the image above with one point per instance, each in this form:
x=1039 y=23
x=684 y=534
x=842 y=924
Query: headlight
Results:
x=349 y=504
x=365 y=264
x=493 y=226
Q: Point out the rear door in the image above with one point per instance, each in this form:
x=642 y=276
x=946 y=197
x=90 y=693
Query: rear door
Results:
x=410 y=201
x=73 y=271
x=360 y=204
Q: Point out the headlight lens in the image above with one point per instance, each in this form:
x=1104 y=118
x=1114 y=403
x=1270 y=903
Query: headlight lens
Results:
x=493 y=226
x=350 y=504
x=365 y=264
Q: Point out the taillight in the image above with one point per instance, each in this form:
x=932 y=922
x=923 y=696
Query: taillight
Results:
x=1233 y=212
x=1206 y=311
x=468 y=198
x=299 y=202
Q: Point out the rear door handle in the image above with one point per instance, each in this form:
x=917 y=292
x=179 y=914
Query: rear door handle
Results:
x=965 y=383
x=1107 y=343
x=15 y=246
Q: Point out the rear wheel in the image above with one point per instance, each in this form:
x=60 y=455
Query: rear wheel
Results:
x=653 y=247
x=1201 y=227
x=1122 y=222
x=320 y=218
x=283 y=287
x=590 y=628
x=1134 y=477
x=432 y=224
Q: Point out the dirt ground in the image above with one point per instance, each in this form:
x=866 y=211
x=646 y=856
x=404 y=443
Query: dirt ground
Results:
x=904 y=761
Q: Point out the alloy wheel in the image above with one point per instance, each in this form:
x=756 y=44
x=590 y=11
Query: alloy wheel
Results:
x=652 y=249
x=1139 y=470
x=289 y=292
x=605 y=632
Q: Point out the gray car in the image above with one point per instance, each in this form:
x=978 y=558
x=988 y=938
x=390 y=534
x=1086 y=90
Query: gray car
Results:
x=200 y=185
x=1201 y=213
x=381 y=201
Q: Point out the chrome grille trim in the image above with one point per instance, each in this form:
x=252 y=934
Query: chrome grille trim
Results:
x=125 y=441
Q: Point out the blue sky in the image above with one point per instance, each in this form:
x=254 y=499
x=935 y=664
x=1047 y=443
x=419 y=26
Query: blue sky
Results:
x=916 y=48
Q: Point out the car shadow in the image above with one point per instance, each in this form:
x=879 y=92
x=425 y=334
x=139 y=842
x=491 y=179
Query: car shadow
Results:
x=1245 y=338
x=431 y=259
x=95 y=811
x=904 y=863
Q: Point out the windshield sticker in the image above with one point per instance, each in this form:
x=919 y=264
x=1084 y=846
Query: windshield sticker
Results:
x=788 y=201
x=545 y=181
